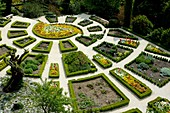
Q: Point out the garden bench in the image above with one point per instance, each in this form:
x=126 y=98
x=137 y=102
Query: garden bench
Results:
x=9 y=16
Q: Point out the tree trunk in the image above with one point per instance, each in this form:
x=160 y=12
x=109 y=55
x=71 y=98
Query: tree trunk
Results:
x=66 y=6
x=8 y=7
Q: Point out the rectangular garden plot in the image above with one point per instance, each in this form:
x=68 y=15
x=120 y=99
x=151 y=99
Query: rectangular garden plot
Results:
x=16 y=33
x=70 y=19
x=120 y=34
x=136 y=86
x=86 y=40
x=129 y=42
x=100 y=20
x=156 y=50
x=85 y=22
x=97 y=36
x=134 y=110
x=23 y=42
x=4 y=22
x=159 y=105
x=105 y=63
x=19 y=24
x=43 y=46
x=76 y=63
x=52 y=18
x=94 y=29
x=153 y=68
x=114 y=52
x=67 y=45
x=4 y=50
x=96 y=93
x=54 y=70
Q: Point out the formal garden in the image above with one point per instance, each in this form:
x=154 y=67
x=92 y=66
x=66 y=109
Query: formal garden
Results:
x=78 y=57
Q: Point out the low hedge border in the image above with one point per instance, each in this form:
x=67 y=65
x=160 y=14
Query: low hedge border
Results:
x=18 y=35
x=93 y=28
x=25 y=44
x=100 y=63
x=63 y=49
x=68 y=74
x=145 y=76
x=67 y=19
x=0 y=36
x=93 y=40
x=129 y=44
x=55 y=75
x=6 y=54
x=135 y=91
x=6 y=21
x=35 y=49
x=98 y=36
x=14 y=25
x=48 y=17
x=3 y=65
x=163 y=54
x=105 y=23
x=125 y=100
x=85 y=22
x=112 y=58
x=134 y=110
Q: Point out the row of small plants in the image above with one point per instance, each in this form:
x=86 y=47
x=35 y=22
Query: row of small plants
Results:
x=54 y=70
x=111 y=106
x=94 y=28
x=105 y=63
x=86 y=40
x=70 y=19
x=4 y=22
x=129 y=42
x=136 y=86
x=20 y=24
x=134 y=110
x=100 y=20
x=16 y=33
x=85 y=22
x=67 y=49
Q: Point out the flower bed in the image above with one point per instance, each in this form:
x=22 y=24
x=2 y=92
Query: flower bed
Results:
x=43 y=46
x=4 y=22
x=95 y=94
x=67 y=45
x=134 y=110
x=85 y=22
x=136 y=86
x=76 y=63
x=105 y=63
x=4 y=50
x=114 y=52
x=54 y=70
x=55 y=31
x=70 y=19
x=23 y=42
x=85 y=40
x=159 y=105
x=152 y=68
x=16 y=33
x=100 y=20
x=51 y=18
x=156 y=50
x=94 y=28
x=97 y=36
x=129 y=42
x=120 y=34
x=20 y=24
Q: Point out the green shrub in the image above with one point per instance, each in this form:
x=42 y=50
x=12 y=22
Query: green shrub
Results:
x=143 y=66
x=154 y=69
x=28 y=71
x=32 y=66
x=165 y=71
x=114 y=22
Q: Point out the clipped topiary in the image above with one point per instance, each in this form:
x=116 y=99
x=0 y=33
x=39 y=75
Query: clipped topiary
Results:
x=165 y=71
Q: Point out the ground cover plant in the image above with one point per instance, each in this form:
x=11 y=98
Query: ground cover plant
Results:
x=67 y=45
x=152 y=68
x=55 y=31
x=4 y=22
x=16 y=33
x=112 y=51
x=20 y=24
x=100 y=20
x=104 y=62
x=120 y=34
x=94 y=28
x=129 y=42
x=23 y=42
x=4 y=50
x=85 y=40
x=97 y=36
x=76 y=63
x=153 y=49
x=96 y=93
x=133 y=84
x=52 y=18
x=43 y=46
x=54 y=70
x=85 y=22
x=70 y=19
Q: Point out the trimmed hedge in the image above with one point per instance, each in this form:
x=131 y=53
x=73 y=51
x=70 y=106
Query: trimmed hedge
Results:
x=68 y=74
x=125 y=100
x=108 y=63
x=85 y=22
x=4 y=22
x=20 y=33
x=16 y=42
x=134 y=110
x=70 y=19
x=94 y=28
x=105 y=23
x=3 y=65
x=111 y=57
x=54 y=70
x=20 y=24
x=51 y=17
x=130 y=87
x=6 y=54
x=92 y=40
x=36 y=49
x=133 y=46
x=63 y=49
x=145 y=76
x=0 y=36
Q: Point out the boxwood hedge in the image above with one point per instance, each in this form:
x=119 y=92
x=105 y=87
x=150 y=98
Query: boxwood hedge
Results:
x=63 y=49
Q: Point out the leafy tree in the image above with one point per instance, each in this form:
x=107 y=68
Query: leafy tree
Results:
x=8 y=7
x=2 y=7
